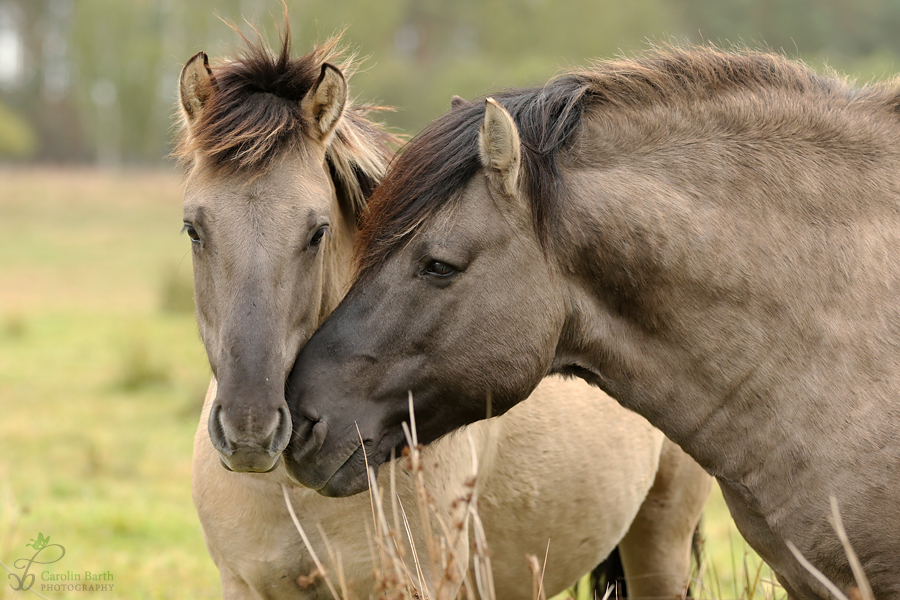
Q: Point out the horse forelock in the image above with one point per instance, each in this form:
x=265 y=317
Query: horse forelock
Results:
x=254 y=116
x=434 y=166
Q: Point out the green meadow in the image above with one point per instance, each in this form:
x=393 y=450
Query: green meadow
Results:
x=102 y=376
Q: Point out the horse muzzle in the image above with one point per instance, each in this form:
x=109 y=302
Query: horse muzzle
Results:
x=245 y=451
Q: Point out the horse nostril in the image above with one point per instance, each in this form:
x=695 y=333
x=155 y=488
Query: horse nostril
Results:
x=282 y=432
x=217 y=431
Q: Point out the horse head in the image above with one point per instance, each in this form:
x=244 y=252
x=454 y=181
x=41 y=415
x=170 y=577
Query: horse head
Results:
x=280 y=166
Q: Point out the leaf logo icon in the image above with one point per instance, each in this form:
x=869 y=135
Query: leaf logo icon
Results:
x=40 y=543
x=26 y=580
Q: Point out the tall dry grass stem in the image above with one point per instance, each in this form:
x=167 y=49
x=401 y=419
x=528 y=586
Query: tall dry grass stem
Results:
x=863 y=590
x=862 y=582
x=444 y=531
x=309 y=547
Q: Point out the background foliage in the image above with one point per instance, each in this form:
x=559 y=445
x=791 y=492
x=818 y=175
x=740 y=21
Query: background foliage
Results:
x=93 y=81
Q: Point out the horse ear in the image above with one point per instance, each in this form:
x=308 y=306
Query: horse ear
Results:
x=499 y=147
x=458 y=102
x=324 y=103
x=196 y=85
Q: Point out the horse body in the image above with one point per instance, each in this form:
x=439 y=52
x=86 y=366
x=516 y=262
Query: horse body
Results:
x=281 y=167
x=711 y=238
x=756 y=404
x=775 y=337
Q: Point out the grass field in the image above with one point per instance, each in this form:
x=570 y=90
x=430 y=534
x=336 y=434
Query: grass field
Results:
x=101 y=380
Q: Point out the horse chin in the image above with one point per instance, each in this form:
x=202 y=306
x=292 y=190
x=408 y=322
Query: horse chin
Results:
x=349 y=477
x=320 y=475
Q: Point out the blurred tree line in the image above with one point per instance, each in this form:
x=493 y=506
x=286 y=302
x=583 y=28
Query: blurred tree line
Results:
x=94 y=81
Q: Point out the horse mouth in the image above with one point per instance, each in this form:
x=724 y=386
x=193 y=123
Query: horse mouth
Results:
x=350 y=478
x=250 y=470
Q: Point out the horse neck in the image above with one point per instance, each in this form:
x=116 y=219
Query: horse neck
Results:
x=359 y=154
x=709 y=263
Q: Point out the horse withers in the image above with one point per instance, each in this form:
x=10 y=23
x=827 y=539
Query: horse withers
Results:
x=281 y=164
x=710 y=237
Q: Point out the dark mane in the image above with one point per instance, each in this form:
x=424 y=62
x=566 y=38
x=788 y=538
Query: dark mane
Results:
x=438 y=162
x=435 y=165
x=254 y=116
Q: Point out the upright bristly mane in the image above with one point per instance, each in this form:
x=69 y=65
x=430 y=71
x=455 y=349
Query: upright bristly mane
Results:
x=435 y=166
x=254 y=116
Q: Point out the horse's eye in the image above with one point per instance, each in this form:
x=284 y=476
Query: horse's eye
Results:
x=318 y=235
x=191 y=232
x=437 y=268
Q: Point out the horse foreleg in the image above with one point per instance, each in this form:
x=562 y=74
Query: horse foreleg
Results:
x=235 y=588
x=656 y=551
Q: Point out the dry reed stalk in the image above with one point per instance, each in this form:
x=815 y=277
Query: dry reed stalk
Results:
x=863 y=590
x=390 y=548
x=832 y=589
x=422 y=496
x=9 y=517
x=537 y=574
x=412 y=545
x=481 y=559
x=396 y=510
x=393 y=578
x=447 y=573
x=750 y=588
x=390 y=551
x=309 y=547
x=335 y=558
